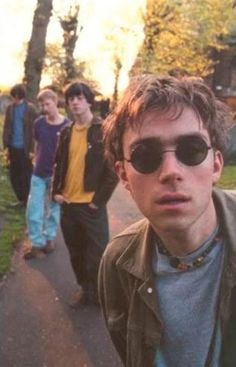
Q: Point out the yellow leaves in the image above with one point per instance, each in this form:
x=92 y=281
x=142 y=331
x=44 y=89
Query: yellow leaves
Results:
x=180 y=33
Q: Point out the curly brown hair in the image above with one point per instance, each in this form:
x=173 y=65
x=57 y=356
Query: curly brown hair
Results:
x=150 y=93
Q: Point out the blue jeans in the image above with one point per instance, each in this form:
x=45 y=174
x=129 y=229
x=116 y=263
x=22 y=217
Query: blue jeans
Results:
x=42 y=214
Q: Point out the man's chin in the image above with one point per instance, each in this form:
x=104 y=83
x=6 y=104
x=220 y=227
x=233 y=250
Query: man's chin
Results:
x=169 y=226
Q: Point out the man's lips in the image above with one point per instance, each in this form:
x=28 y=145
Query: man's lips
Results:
x=172 y=198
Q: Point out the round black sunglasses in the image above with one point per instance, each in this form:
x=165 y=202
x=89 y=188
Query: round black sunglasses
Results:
x=146 y=155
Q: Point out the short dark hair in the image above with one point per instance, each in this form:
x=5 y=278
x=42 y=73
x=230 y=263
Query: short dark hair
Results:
x=18 y=91
x=150 y=93
x=76 y=89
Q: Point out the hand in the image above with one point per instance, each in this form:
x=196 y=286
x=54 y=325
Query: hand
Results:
x=60 y=199
x=6 y=156
x=31 y=156
x=93 y=206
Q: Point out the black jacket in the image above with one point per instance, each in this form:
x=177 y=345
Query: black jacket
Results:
x=98 y=177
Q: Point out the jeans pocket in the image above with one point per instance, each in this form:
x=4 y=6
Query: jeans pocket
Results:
x=92 y=211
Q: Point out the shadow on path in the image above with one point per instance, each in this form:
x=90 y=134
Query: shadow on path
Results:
x=37 y=326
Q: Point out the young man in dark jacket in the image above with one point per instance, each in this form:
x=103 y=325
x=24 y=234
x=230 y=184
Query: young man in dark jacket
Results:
x=168 y=283
x=18 y=139
x=83 y=183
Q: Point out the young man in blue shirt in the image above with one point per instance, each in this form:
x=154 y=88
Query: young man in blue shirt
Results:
x=18 y=140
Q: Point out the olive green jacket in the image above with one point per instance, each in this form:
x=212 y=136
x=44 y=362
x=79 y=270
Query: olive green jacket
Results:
x=128 y=298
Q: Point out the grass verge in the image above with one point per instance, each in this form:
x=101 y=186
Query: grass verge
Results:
x=228 y=178
x=12 y=222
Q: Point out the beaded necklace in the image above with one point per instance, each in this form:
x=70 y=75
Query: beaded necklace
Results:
x=175 y=262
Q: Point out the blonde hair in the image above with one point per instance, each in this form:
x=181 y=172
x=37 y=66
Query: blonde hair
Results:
x=47 y=94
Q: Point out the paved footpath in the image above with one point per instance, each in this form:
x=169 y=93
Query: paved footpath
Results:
x=37 y=327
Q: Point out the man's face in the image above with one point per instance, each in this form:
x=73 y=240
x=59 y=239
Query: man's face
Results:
x=48 y=107
x=78 y=105
x=17 y=100
x=175 y=196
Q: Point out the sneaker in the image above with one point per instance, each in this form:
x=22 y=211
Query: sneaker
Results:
x=49 y=247
x=34 y=253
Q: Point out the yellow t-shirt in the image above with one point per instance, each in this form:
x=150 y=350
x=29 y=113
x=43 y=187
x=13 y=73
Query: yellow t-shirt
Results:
x=74 y=183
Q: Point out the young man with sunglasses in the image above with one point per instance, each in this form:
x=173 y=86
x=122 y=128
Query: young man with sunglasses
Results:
x=167 y=283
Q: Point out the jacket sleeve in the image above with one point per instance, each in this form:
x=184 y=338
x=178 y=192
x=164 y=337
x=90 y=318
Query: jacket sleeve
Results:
x=108 y=183
x=57 y=184
x=112 y=300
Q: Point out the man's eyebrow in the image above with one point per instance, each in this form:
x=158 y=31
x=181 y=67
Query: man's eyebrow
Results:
x=160 y=141
x=144 y=140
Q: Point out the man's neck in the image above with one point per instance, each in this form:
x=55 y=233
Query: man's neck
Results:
x=181 y=242
x=54 y=119
x=19 y=102
x=84 y=120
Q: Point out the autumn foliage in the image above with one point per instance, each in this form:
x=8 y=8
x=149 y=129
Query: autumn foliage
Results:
x=181 y=35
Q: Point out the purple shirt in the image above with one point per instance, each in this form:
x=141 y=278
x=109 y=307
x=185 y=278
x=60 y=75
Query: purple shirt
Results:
x=46 y=136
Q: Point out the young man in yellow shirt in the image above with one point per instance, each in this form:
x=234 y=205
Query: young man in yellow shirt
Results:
x=83 y=183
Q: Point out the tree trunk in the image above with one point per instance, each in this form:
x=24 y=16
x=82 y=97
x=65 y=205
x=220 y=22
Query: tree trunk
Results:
x=69 y=24
x=118 y=66
x=36 y=48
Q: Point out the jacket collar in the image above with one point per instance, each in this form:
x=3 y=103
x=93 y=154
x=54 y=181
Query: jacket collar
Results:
x=136 y=259
x=95 y=121
x=225 y=203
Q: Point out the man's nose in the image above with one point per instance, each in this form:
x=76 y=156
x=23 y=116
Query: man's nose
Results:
x=170 y=167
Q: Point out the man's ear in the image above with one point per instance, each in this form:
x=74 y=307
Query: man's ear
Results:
x=121 y=173
x=218 y=166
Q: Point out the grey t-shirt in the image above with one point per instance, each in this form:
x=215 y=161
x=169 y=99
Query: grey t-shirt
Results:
x=188 y=305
